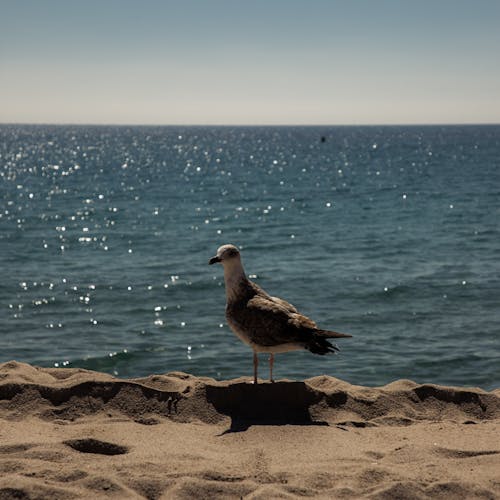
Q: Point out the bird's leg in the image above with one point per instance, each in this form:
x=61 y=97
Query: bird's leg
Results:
x=271 y=363
x=255 y=365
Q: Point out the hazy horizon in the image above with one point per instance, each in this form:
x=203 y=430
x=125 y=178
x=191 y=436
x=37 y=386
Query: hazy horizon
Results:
x=250 y=125
x=234 y=63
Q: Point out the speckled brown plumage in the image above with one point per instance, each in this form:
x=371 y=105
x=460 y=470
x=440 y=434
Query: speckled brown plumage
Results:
x=265 y=323
x=272 y=322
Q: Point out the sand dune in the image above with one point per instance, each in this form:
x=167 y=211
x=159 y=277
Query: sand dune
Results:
x=72 y=433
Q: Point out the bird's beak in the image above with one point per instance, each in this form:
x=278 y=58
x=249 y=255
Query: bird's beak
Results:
x=214 y=260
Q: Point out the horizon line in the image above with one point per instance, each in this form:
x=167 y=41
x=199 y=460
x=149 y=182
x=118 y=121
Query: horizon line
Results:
x=250 y=125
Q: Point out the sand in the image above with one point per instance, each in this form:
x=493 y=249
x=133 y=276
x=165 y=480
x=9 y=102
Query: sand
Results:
x=72 y=433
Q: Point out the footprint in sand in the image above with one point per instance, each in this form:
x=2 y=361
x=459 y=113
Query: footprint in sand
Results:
x=90 y=445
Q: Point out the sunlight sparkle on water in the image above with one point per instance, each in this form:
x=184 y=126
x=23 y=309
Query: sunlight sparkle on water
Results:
x=68 y=206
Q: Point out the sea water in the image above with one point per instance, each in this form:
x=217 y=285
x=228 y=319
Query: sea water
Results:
x=391 y=234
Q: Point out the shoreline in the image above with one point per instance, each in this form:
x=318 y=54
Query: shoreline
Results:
x=74 y=433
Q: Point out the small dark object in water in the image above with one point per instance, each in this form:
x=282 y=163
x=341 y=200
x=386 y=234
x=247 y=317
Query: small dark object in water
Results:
x=323 y=138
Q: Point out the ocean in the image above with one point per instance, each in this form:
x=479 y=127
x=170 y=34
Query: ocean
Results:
x=391 y=234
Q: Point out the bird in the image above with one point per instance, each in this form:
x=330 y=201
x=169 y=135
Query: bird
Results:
x=265 y=323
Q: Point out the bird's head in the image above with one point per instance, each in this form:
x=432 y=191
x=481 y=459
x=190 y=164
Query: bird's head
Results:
x=226 y=254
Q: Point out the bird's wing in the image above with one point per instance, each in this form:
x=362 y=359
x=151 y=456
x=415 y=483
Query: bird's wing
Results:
x=289 y=307
x=273 y=323
x=277 y=300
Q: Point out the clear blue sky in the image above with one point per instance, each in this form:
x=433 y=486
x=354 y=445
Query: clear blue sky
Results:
x=250 y=62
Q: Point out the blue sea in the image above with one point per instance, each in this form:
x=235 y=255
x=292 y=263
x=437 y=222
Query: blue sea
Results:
x=391 y=234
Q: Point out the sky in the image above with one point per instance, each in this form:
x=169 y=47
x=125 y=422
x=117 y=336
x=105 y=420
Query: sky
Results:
x=250 y=62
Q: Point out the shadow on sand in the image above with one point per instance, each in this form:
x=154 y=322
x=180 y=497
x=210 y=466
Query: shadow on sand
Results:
x=278 y=403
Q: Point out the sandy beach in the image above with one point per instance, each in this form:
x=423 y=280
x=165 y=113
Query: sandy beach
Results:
x=72 y=433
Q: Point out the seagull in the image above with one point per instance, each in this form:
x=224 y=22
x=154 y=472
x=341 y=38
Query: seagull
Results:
x=265 y=323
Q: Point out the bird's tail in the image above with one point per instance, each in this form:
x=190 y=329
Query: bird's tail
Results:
x=318 y=343
x=332 y=335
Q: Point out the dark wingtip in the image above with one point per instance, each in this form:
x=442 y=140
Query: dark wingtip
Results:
x=321 y=346
x=333 y=335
